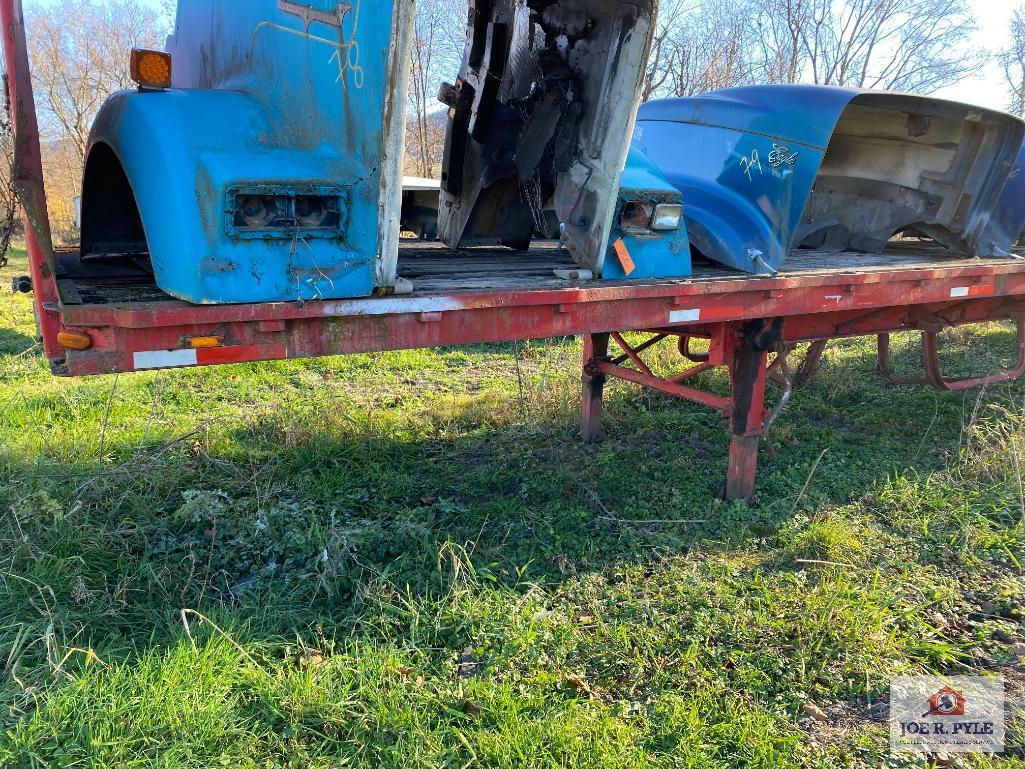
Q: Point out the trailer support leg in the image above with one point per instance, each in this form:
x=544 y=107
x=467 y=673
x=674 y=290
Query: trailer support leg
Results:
x=931 y=362
x=596 y=348
x=748 y=375
x=744 y=349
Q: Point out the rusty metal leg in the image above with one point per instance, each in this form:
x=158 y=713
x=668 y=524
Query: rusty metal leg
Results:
x=596 y=347
x=811 y=364
x=931 y=361
x=748 y=375
x=885 y=365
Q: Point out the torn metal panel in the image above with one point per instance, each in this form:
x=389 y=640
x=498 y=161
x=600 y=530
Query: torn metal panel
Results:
x=540 y=114
x=767 y=169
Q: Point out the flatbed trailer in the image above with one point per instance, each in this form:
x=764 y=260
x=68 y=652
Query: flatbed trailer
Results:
x=120 y=321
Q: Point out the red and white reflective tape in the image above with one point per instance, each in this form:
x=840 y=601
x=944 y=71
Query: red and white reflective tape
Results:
x=965 y=291
x=707 y=314
x=206 y=356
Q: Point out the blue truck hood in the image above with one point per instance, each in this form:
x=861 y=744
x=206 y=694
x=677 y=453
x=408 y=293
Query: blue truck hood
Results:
x=804 y=114
x=1008 y=220
x=766 y=169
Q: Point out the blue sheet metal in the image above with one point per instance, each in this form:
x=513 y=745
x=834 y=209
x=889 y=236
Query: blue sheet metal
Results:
x=269 y=97
x=1008 y=223
x=655 y=254
x=747 y=161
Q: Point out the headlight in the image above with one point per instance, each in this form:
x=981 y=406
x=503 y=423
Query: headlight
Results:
x=275 y=212
x=260 y=211
x=641 y=217
x=667 y=216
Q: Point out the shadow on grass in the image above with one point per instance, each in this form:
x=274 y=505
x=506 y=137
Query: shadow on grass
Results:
x=14 y=343
x=291 y=521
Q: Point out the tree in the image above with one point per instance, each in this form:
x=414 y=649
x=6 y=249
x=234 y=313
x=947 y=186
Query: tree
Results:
x=8 y=195
x=699 y=47
x=779 y=46
x=1012 y=61
x=438 y=42
x=918 y=46
x=80 y=54
x=670 y=15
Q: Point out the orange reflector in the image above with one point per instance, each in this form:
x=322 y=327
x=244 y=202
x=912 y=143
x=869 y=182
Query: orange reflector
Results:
x=74 y=340
x=151 y=69
x=204 y=342
x=623 y=253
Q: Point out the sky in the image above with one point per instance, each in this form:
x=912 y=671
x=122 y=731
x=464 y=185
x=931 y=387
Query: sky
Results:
x=987 y=89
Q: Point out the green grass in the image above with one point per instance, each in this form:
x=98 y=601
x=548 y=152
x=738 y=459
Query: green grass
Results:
x=409 y=559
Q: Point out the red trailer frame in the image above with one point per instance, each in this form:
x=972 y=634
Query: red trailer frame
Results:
x=752 y=324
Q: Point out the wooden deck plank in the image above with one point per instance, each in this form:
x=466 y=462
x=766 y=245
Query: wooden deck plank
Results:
x=434 y=269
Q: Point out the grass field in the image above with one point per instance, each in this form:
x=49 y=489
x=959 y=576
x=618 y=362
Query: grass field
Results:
x=409 y=559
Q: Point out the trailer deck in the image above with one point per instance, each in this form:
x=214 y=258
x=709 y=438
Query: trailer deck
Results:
x=435 y=270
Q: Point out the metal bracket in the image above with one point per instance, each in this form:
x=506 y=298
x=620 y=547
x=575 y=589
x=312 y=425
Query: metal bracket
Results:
x=309 y=14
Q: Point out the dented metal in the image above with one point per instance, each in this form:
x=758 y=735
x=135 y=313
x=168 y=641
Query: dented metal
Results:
x=540 y=115
x=271 y=170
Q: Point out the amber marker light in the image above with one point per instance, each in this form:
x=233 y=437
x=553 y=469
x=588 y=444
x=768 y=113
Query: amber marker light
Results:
x=74 y=340
x=151 y=69
x=204 y=342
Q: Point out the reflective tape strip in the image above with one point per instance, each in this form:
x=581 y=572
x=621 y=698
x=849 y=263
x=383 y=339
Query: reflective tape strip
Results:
x=963 y=291
x=684 y=316
x=164 y=359
x=208 y=356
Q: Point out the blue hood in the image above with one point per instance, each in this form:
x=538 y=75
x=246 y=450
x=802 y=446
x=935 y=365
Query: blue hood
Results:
x=765 y=169
x=1009 y=216
x=805 y=114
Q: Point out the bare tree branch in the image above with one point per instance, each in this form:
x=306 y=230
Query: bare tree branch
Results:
x=437 y=52
x=1012 y=61
x=80 y=53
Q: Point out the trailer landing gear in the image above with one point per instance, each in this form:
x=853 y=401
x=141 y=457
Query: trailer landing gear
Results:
x=744 y=348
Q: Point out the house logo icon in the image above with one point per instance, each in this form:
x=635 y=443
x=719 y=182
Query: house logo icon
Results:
x=946 y=702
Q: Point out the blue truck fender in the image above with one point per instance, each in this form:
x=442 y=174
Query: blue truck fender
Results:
x=652 y=253
x=179 y=152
